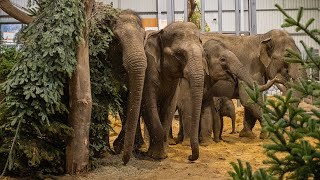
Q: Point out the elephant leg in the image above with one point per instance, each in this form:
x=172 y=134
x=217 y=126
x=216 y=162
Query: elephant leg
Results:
x=181 y=129
x=251 y=112
x=233 y=119
x=248 y=123
x=221 y=129
x=138 y=142
x=206 y=126
x=167 y=114
x=216 y=124
x=119 y=141
x=186 y=124
x=156 y=148
x=170 y=137
x=152 y=121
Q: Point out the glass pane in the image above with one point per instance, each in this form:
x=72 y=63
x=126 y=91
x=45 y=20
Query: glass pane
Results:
x=9 y=32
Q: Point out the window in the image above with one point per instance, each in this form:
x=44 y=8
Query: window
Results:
x=9 y=32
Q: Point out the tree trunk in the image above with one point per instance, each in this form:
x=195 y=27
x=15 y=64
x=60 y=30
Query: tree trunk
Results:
x=191 y=7
x=14 y=12
x=77 y=152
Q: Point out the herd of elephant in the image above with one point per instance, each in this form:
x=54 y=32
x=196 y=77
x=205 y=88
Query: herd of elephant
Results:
x=181 y=68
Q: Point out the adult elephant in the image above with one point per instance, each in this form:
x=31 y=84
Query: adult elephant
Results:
x=129 y=61
x=222 y=68
x=263 y=55
x=172 y=53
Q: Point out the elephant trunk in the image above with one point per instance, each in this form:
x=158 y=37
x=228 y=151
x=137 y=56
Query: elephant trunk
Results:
x=196 y=80
x=297 y=72
x=240 y=71
x=135 y=62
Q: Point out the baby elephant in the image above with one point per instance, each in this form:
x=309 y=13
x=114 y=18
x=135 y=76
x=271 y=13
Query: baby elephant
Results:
x=225 y=107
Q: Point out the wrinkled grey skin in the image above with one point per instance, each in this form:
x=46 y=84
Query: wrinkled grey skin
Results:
x=172 y=53
x=222 y=105
x=263 y=56
x=223 y=69
x=131 y=61
x=225 y=107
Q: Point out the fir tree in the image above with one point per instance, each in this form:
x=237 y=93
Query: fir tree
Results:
x=294 y=151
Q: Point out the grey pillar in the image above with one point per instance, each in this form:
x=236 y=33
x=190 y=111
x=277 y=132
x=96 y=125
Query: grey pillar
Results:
x=237 y=17
x=242 y=15
x=220 y=16
x=185 y=10
x=253 y=16
x=159 y=13
x=119 y=4
x=170 y=11
x=203 y=24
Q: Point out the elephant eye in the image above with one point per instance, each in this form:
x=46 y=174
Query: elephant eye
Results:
x=223 y=62
x=178 y=55
x=207 y=56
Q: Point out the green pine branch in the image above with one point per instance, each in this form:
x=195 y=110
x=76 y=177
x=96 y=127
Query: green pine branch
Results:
x=294 y=132
x=290 y=21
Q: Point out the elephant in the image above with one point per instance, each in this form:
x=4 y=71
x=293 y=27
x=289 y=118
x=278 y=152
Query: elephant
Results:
x=128 y=58
x=223 y=69
x=172 y=53
x=263 y=55
x=225 y=107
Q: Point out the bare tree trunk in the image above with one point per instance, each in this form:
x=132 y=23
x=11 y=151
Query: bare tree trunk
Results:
x=191 y=7
x=77 y=152
x=14 y=12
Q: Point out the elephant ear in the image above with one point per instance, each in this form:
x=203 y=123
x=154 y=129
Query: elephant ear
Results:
x=205 y=63
x=266 y=50
x=153 y=47
x=147 y=36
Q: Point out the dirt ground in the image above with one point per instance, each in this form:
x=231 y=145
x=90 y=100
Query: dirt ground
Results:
x=214 y=161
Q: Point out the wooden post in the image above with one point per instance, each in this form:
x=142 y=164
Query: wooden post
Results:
x=80 y=105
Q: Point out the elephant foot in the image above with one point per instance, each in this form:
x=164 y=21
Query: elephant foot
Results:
x=125 y=158
x=186 y=142
x=179 y=139
x=246 y=133
x=157 y=153
x=264 y=135
x=139 y=154
x=233 y=132
x=217 y=139
x=171 y=141
x=206 y=141
x=223 y=140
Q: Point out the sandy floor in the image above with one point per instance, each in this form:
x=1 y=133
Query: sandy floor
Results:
x=214 y=161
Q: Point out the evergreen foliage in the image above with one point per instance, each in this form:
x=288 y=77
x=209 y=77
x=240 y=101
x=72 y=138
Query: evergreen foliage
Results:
x=242 y=173
x=294 y=152
x=39 y=143
x=196 y=18
x=105 y=87
x=7 y=60
x=33 y=117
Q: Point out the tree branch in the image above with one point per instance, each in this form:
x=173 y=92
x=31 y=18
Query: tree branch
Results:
x=191 y=7
x=14 y=12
